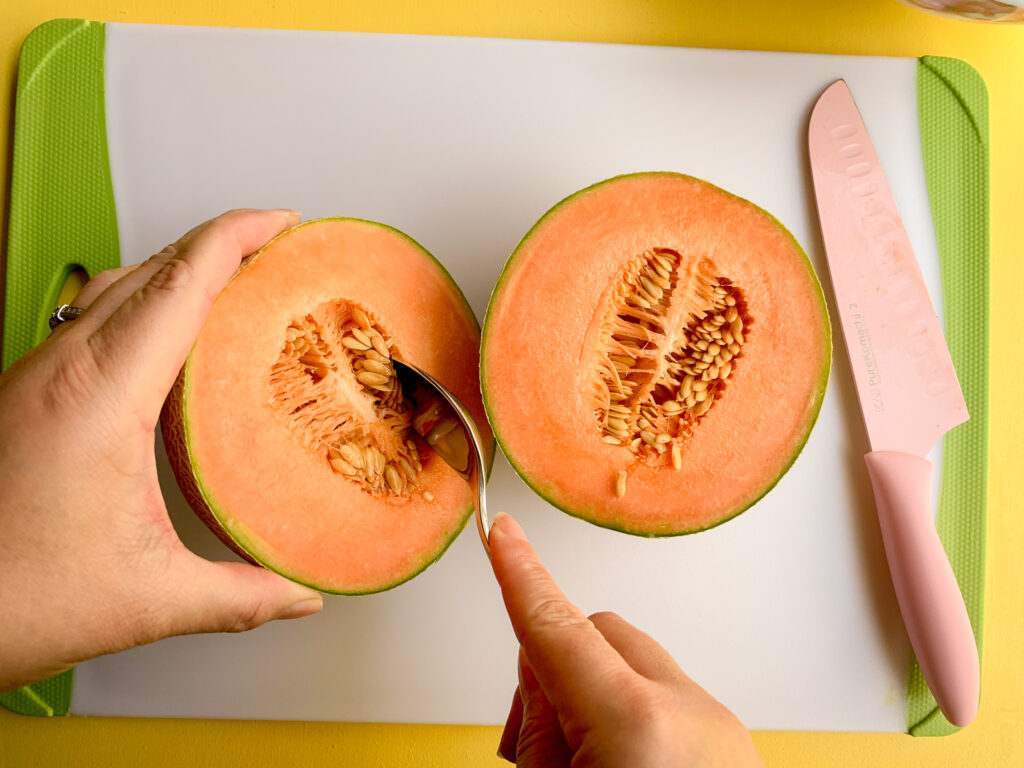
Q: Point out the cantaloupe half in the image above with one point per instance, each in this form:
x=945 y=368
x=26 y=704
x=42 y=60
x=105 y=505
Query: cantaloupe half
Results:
x=287 y=429
x=655 y=354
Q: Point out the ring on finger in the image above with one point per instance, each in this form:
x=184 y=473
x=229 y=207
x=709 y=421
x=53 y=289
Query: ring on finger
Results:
x=63 y=314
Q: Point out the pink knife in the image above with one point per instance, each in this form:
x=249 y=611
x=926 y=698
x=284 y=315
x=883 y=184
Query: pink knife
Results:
x=907 y=386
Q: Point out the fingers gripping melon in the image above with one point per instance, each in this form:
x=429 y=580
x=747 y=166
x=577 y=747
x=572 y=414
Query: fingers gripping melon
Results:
x=655 y=354
x=287 y=429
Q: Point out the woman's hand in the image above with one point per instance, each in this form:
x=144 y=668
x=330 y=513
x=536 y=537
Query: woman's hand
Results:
x=89 y=562
x=597 y=691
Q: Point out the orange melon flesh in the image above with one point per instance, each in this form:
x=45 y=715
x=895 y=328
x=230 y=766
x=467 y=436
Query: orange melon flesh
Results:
x=265 y=489
x=541 y=330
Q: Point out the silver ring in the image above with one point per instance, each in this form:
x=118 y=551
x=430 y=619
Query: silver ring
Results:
x=63 y=313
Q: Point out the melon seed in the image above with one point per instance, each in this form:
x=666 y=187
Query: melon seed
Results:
x=441 y=429
x=370 y=379
x=374 y=367
x=360 y=317
x=369 y=459
x=652 y=289
x=620 y=484
x=351 y=455
x=659 y=280
x=342 y=466
x=647 y=297
x=391 y=475
x=379 y=345
x=353 y=343
x=407 y=468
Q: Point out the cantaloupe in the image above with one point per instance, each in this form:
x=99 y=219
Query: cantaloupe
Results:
x=655 y=354
x=287 y=429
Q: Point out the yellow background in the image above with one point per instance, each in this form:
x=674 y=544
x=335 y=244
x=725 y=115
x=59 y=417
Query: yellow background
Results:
x=883 y=27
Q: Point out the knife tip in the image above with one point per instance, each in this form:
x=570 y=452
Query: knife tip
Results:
x=839 y=84
x=828 y=97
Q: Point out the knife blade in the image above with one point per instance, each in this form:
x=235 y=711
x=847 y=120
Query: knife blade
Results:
x=906 y=383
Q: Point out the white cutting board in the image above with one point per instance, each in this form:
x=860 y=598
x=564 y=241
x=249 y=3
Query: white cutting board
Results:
x=786 y=613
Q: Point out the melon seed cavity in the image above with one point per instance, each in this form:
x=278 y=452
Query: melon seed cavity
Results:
x=334 y=382
x=671 y=336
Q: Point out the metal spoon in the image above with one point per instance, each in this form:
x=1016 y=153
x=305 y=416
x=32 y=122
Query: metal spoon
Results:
x=440 y=418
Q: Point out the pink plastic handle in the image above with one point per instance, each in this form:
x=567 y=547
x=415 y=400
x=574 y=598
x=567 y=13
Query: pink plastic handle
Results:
x=933 y=608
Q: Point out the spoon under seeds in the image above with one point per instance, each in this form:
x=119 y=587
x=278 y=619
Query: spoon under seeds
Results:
x=440 y=418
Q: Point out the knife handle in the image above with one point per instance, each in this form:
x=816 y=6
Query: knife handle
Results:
x=929 y=598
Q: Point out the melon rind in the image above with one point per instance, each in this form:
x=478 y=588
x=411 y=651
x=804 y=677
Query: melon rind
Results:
x=487 y=388
x=177 y=439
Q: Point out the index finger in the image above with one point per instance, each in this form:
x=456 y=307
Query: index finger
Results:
x=149 y=334
x=578 y=669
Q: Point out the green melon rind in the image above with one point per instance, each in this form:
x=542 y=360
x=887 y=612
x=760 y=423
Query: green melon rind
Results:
x=815 y=407
x=249 y=547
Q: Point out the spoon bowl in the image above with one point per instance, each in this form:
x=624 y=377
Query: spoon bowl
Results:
x=440 y=418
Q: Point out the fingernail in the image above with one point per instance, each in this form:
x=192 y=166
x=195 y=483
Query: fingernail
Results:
x=506 y=525
x=293 y=216
x=302 y=608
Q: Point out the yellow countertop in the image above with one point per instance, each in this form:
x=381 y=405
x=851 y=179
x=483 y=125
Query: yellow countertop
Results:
x=880 y=27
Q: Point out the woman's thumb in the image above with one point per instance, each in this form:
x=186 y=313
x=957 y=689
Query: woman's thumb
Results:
x=541 y=743
x=235 y=597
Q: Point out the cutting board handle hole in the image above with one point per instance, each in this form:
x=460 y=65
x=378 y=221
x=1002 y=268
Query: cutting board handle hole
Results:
x=74 y=279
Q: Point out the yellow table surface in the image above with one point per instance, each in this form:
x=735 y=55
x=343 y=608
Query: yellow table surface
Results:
x=881 y=27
